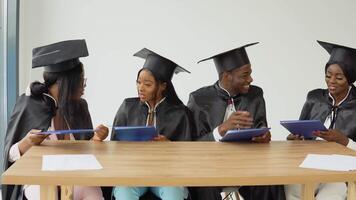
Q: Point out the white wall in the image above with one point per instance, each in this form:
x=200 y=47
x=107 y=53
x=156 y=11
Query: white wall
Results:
x=286 y=64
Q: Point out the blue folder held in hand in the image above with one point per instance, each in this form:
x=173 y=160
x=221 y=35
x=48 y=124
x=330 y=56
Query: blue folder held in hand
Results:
x=243 y=134
x=303 y=127
x=73 y=131
x=135 y=133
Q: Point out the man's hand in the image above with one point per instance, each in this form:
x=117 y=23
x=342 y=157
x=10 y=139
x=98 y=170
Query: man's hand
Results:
x=265 y=138
x=238 y=119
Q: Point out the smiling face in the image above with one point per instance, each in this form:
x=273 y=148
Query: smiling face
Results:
x=336 y=81
x=238 y=81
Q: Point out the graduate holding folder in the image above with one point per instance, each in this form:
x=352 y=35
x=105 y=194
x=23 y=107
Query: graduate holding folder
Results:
x=55 y=104
x=231 y=103
x=335 y=107
x=157 y=105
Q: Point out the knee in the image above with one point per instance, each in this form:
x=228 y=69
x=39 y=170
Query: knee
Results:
x=87 y=193
x=173 y=193
x=334 y=191
x=126 y=193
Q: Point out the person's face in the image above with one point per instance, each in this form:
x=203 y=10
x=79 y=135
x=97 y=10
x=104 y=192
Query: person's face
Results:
x=336 y=80
x=147 y=87
x=240 y=79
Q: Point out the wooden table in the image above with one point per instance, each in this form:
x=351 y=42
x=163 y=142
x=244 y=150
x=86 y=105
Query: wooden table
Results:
x=182 y=164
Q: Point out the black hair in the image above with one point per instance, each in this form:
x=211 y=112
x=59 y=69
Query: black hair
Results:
x=69 y=85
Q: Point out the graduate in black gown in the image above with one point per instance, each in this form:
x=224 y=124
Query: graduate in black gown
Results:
x=55 y=104
x=336 y=108
x=157 y=105
x=231 y=103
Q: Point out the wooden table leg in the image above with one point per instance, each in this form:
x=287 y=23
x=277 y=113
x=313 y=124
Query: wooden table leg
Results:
x=351 y=191
x=48 y=192
x=66 y=192
x=308 y=191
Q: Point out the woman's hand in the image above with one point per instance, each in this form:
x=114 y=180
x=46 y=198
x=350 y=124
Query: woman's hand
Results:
x=161 y=138
x=295 y=137
x=333 y=135
x=32 y=138
x=101 y=132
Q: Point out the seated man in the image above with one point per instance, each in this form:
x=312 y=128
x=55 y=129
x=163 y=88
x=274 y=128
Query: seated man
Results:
x=231 y=103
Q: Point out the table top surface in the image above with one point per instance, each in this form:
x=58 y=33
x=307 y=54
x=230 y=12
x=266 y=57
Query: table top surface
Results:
x=180 y=164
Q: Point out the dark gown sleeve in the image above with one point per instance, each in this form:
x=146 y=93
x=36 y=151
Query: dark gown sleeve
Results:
x=259 y=117
x=187 y=126
x=207 y=119
x=201 y=124
x=28 y=114
x=346 y=117
x=179 y=129
x=305 y=113
x=318 y=106
x=120 y=118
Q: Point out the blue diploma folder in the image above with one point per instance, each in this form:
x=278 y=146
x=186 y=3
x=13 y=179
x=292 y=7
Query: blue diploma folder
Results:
x=243 y=134
x=135 y=133
x=74 y=131
x=303 y=127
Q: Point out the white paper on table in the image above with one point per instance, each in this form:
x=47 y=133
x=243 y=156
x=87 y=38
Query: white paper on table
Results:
x=70 y=162
x=333 y=162
x=346 y=160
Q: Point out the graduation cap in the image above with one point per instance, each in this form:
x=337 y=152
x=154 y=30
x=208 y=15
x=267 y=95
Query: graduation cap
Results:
x=159 y=65
x=231 y=59
x=61 y=56
x=345 y=56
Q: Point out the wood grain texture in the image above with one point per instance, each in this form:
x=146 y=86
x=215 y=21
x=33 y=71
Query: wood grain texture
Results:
x=181 y=163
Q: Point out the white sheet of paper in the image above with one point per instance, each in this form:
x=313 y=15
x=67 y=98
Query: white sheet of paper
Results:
x=70 y=162
x=333 y=162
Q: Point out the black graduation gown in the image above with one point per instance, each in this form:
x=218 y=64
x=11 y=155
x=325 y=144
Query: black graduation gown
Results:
x=172 y=120
x=208 y=106
x=318 y=106
x=37 y=113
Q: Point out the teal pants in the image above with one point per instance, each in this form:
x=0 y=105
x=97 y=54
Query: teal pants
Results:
x=164 y=193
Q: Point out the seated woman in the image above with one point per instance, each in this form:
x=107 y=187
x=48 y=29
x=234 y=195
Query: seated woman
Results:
x=335 y=106
x=157 y=105
x=55 y=104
